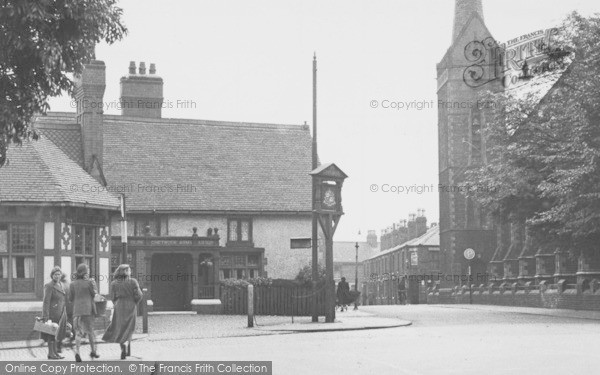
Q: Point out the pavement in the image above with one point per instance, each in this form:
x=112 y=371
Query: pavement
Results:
x=350 y=320
x=186 y=327
x=557 y=313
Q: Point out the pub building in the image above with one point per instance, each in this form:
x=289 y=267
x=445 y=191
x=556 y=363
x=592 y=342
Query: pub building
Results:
x=206 y=200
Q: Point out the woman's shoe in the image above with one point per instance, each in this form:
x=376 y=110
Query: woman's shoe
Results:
x=94 y=355
x=54 y=357
x=123 y=351
x=77 y=358
x=129 y=349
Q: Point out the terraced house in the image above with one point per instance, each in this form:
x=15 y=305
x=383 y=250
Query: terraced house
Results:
x=206 y=200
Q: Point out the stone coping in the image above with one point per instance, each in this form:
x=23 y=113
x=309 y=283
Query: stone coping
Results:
x=206 y=302
x=17 y=306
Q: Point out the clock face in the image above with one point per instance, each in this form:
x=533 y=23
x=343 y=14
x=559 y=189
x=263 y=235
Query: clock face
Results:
x=329 y=198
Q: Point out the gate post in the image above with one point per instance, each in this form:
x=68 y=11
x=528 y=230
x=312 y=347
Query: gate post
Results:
x=250 y=306
x=145 y=310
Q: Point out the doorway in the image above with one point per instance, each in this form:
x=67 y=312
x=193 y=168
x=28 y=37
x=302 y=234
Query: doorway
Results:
x=171 y=281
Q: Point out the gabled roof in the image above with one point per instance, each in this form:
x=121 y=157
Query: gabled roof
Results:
x=62 y=129
x=329 y=170
x=431 y=238
x=38 y=172
x=540 y=85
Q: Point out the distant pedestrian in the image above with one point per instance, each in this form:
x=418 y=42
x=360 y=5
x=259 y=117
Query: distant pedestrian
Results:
x=126 y=294
x=54 y=309
x=82 y=291
x=343 y=290
x=402 y=291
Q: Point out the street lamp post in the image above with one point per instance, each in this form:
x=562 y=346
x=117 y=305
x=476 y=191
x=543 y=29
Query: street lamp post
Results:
x=356 y=269
x=356 y=275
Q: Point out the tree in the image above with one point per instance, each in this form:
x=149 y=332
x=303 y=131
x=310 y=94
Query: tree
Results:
x=305 y=274
x=543 y=155
x=41 y=42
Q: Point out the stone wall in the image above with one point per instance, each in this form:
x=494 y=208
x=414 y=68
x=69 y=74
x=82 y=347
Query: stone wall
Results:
x=552 y=296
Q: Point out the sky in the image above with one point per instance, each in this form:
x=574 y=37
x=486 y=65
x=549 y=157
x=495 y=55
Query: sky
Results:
x=251 y=61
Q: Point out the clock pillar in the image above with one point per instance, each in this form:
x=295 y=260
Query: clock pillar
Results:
x=328 y=180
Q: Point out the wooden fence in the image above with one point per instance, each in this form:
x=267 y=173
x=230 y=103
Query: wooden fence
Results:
x=272 y=300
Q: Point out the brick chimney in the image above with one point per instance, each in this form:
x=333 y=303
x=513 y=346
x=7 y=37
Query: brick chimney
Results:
x=89 y=94
x=421 y=223
x=141 y=93
x=403 y=229
x=372 y=238
x=412 y=226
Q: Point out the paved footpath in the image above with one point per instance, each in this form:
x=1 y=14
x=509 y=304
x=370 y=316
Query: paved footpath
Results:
x=558 y=313
x=181 y=330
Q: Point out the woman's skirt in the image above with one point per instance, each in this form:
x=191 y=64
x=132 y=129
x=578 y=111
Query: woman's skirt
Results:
x=83 y=325
x=122 y=325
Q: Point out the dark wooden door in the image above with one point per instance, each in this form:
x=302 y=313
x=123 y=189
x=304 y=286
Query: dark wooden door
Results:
x=169 y=282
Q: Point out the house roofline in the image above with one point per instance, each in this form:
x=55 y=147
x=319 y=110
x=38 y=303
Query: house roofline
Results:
x=223 y=212
x=58 y=204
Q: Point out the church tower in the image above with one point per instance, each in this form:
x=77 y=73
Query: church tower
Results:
x=467 y=68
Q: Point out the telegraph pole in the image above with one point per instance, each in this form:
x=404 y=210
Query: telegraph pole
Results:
x=123 y=230
x=315 y=248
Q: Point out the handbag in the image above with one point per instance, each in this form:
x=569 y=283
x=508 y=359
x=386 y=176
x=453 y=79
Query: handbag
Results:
x=40 y=326
x=99 y=305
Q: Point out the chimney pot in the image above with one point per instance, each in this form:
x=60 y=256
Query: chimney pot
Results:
x=142 y=67
x=152 y=68
x=132 y=67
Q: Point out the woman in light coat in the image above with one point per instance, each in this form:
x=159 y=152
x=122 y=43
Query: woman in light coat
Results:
x=126 y=294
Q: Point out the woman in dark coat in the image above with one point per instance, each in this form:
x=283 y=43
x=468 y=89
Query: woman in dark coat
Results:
x=54 y=309
x=126 y=294
x=82 y=291
x=69 y=306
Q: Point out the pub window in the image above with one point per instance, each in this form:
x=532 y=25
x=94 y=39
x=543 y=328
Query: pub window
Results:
x=148 y=226
x=239 y=266
x=84 y=243
x=239 y=230
x=17 y=258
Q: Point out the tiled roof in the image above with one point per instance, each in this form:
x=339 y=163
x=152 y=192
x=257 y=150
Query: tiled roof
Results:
x=196 y=165
x=345 y=251
x=431 y=238
x=38 y=172
x=173 y=164
x=62 y=129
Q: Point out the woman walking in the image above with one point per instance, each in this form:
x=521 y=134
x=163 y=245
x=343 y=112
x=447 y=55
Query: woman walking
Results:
x=82 y=291
x=69 y=307
x=54 y=309
x=126 y=294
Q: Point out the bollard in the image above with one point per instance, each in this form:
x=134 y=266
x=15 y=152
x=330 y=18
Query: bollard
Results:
x=145 y=310
x=250 y=306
